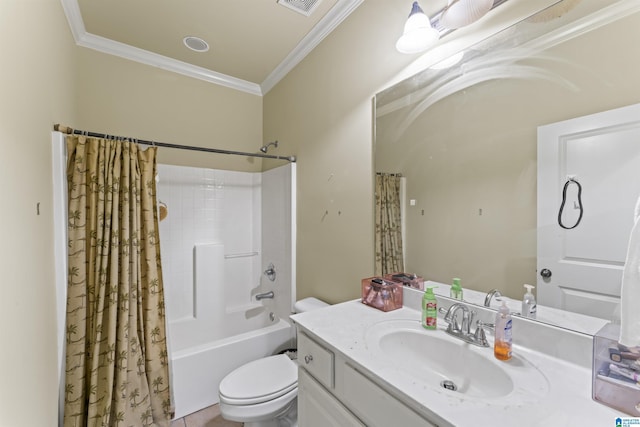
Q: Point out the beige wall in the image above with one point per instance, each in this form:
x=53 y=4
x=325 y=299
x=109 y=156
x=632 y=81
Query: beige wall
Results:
x=122 y=97
x=36 y=90
x=323 y=108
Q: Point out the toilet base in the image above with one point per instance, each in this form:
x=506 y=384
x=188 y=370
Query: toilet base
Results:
x=286 y=417
x=289 y=419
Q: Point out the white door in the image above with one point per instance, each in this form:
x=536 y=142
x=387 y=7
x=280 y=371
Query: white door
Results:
x=584 y=264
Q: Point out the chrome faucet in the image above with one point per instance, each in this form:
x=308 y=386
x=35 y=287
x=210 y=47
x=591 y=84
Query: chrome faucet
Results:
x=492 y=293
x=463 y=331
x=269 y=295
x=451 y=318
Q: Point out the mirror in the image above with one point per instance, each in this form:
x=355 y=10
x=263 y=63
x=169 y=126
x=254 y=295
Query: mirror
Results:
x=464 y=138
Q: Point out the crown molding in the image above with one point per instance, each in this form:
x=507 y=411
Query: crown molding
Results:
x=328 y=23
x=111 y=47
x=325 y=26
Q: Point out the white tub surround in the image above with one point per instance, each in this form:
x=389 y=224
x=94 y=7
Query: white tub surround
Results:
x=221 y=231
x=550 y=372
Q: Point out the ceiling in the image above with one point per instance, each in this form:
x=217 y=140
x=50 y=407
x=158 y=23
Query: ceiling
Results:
x=253 y=44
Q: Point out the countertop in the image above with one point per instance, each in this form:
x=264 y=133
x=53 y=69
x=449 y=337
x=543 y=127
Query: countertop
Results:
x=564 y=398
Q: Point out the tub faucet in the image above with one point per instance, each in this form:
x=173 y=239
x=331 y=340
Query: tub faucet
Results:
x=269 y=295
x=492 y=293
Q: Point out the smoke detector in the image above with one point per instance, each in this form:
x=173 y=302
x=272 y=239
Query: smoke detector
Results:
x=305 y=7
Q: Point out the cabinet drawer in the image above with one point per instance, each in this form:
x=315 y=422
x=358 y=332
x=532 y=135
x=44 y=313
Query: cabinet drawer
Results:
x=317 y=360
x=375 y=406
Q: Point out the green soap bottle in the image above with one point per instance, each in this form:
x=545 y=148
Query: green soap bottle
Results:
x=429 y=310
x=456 y=289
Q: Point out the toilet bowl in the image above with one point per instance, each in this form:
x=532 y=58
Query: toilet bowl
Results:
x=264 y=392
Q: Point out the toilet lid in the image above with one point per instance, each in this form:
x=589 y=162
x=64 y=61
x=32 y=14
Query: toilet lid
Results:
x=259 y=381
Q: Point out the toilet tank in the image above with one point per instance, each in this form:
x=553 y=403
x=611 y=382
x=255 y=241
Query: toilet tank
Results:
x=308 y=304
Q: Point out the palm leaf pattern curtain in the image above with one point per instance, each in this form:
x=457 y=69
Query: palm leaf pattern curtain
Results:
x=388 y=231
x=116 y=352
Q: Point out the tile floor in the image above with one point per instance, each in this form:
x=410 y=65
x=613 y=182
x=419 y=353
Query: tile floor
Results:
x=207 y=417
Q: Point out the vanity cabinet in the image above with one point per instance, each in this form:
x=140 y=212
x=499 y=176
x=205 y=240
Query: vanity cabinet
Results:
x=333 y=391
x=318 y=408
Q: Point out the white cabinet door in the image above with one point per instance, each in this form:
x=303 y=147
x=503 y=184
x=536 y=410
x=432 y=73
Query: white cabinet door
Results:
x=318 y=408
x=374 y=405
x=602 y=152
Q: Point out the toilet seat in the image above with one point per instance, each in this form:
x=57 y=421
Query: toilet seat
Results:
x=259 y=381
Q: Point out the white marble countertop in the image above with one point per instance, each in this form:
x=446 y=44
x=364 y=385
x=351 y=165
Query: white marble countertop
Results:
x=565 y=400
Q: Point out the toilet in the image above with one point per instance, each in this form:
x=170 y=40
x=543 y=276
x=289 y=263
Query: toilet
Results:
x=264 y=392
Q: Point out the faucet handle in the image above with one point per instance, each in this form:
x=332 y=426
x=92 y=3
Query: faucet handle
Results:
x=472 y=315
x=479 y=335
x=481 y=324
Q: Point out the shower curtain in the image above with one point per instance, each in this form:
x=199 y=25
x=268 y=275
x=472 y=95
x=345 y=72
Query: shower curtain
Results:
x=388 y=233
x=116 y=350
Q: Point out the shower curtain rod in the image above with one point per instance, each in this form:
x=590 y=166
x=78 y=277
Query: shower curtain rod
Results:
x=68 y=130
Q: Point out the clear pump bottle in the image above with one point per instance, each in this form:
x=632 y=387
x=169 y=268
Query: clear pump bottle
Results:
x=503 y=340
x=529 y=306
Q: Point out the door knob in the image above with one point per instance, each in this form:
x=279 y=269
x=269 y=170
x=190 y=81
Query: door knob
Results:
x=545 y=272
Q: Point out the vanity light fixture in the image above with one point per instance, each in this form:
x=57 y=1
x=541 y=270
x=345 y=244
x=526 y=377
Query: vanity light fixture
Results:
x=418 y=33
x=460 y=13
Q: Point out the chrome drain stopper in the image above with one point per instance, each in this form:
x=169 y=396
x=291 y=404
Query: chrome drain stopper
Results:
x=449 y=385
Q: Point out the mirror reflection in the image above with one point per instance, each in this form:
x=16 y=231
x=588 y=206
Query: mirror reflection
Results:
x=459 y=147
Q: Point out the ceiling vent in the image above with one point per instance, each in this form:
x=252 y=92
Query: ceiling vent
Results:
x=305 y=7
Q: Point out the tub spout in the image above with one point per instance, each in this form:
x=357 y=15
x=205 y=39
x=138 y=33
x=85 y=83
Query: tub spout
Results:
x=265 y=295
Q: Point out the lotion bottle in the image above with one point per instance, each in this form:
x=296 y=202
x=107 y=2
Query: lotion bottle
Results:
x=456 y=289
x=529 y=306
x=429 y=310
x=502 y=344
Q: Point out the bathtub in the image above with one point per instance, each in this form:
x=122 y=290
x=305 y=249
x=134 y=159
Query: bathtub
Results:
x=197 y=371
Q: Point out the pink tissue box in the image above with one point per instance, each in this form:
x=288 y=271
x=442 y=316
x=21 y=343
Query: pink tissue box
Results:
x=383 y=294
x=407 y=279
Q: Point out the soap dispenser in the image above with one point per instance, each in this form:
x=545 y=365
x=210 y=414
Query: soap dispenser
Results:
x=429 y=310
x=502 y=343
x=456 y=289
x=529 y=306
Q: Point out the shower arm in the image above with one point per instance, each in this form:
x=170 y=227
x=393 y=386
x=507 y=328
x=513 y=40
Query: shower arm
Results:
x=265 y=148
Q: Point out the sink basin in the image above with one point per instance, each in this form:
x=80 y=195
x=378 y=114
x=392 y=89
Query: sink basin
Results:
x=449 y=364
